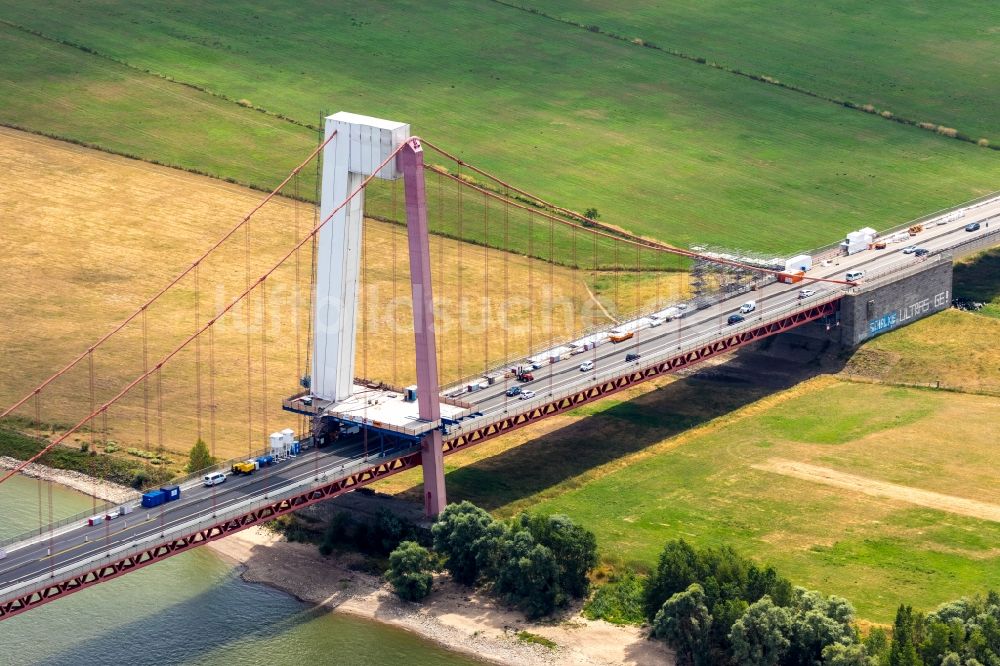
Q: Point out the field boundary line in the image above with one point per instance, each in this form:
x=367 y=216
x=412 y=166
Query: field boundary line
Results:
x=124 y=63
x=882 y=489
x=933 y=386
x=942 y=130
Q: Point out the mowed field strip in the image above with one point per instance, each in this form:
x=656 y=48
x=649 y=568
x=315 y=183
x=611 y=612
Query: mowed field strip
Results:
x=893 y=491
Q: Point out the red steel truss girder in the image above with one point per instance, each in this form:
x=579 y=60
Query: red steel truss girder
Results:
x=689 y=358
x=105 y=572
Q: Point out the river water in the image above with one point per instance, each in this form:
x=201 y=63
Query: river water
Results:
x=189 y=609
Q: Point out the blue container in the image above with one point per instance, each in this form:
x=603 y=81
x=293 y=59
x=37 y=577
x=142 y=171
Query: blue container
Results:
x=265 y=460
x=171 y=493
x=295 y=448
x=153 y=498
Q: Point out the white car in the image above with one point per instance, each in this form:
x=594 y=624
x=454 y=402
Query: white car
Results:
x=806 y=293
x=527 y=395
x=586 y=366
x=854 y=275
x=909 y=249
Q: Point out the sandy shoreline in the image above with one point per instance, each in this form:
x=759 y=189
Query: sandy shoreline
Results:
x=102 y=490
x=453 y=616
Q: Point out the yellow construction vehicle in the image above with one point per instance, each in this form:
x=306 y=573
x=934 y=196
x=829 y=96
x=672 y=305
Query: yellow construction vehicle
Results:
x=246 y=467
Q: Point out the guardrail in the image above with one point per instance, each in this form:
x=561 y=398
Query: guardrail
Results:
x=978 y=201
x=978 y=242
x=900 y=269
x=62 y=522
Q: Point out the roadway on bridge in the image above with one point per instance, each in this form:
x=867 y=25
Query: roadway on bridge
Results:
x=711 y=322
x=77 y=543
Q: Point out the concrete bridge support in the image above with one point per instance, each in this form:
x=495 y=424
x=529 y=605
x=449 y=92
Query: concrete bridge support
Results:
x=899 y=298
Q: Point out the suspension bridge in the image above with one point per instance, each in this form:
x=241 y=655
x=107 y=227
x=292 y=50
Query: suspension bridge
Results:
x=475 y=309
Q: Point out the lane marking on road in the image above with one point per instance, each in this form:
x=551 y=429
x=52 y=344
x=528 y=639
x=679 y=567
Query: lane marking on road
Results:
x=103 y=537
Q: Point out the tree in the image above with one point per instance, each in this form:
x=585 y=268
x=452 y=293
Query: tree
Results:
x=676 y=570
x=685 y=624
x=591 y=214
x=574 y=548
x=528 y=576
x=388 y=531
x=839 y=654
x=199 y=458
x=877 y=644
x=488 y=549
x=458 y=536
x=759 y=638
x=817 y=622
x=903 y=651
x=409 y=571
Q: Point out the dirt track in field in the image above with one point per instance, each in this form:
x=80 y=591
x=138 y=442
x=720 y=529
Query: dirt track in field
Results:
x=925 y=498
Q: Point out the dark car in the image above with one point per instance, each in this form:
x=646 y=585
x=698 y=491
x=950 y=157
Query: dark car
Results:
x=735 y=319
x=920 y=252
x=513 y=390
x=632 y=357
x=972 y=227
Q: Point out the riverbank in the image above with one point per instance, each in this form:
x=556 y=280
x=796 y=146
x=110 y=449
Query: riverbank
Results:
x=88 y=485
x=453 y=616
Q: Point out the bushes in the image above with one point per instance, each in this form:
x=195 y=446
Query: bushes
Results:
x=724 y=574
x=377 y=537
x=619 y=601
x=534 y=562
x=409 y=574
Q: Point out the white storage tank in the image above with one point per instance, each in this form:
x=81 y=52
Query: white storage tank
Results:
x=277 y=443
x=288 y=437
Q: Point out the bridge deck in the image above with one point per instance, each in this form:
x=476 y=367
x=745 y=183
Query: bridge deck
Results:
x=77 y=556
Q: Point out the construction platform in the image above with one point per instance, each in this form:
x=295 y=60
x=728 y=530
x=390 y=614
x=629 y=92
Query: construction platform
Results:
x=380 y=407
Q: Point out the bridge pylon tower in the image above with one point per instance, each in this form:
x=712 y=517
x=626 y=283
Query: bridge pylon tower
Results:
x=356 y=146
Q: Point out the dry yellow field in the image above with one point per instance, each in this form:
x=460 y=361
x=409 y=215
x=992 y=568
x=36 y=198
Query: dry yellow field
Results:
x=87 y=237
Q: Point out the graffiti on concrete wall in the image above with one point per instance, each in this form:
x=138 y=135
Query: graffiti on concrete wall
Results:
x=907 y=313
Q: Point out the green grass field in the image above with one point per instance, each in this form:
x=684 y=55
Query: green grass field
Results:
x=920 y=60
x=876 y=552
x=659 y=145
